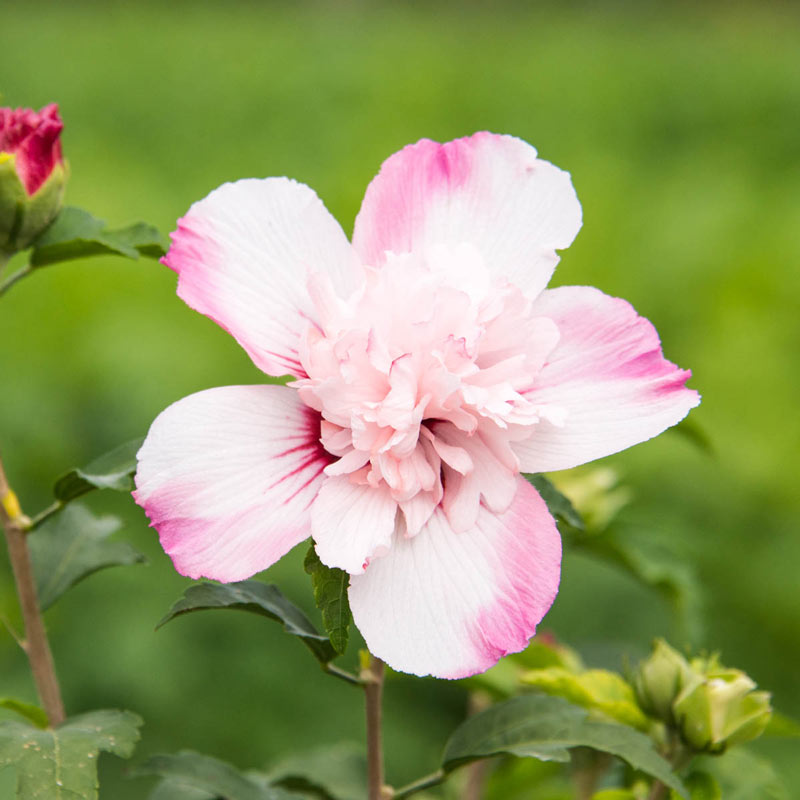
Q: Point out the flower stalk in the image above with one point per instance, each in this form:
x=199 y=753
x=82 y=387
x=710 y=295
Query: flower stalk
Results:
x=12 y=279
x=35 y=643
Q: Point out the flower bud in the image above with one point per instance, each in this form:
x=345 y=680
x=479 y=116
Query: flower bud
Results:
x=659 y=679
x=32 y=174
x=596 y=494
x=720 y=707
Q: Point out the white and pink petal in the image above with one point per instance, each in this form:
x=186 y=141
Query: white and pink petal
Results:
x=227 y=476
x=609 y=377
x=485 y=190
x=451 y=604
x=244 y=256
x=351 y=523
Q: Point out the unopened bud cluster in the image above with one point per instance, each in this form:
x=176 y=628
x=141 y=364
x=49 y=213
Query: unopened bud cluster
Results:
x=710 y=706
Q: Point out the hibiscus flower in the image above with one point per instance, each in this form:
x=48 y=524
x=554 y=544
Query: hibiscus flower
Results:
x=431 y=367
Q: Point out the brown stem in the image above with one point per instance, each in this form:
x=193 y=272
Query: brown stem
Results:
x=373 y=689
x=678 y=756
x=588 y=767
x=35 y=644
x=657 y=791
x=477 y=771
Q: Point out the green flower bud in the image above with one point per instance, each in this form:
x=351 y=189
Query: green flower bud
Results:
x=720 y=708
x=659 y=679
x=595 y=492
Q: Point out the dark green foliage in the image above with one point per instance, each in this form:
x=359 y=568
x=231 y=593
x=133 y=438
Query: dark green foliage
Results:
x=257 y=598
x=70 y=546
x=75 y=233
x=193 y=776
x=330 y=594
x=546 y=728
x=61 y=763
x=558 y=504
x=113 y=470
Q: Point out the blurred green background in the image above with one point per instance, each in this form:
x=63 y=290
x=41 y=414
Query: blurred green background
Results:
x=679 y=124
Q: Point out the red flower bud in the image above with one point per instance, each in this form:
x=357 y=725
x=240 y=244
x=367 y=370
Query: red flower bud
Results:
x=33 y=138
x=32 y=175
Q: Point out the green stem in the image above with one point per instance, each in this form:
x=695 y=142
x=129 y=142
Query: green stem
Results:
x=434 y=779
x=17 y=276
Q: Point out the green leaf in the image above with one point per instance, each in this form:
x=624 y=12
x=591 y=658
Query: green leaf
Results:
x=257 y=598
x=781 y=726
x=176 y=790
x=61 y=763
x=71 y=546
x=187 y=770
x=744 y=776
x=653 y=566
x=558 y=504
x=544 y=727
x=32 y=713
x=330 y=773
x=145 y=238
x=114 y=470
x=614 y=794
x=75 y=233
x=695 y=434
x=594 y=689
x=330 y=594
x=701 y=786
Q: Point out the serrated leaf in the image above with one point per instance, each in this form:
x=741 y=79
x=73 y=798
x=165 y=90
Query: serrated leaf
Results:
x=72 y=545
x=145 y=238
x=188 y=770
x=61 y=763
x=329 y=773
x=113 y=470
x=31 y=712
x=257 y=598
x=594 y=689
x=558 y=504
x=75 y=233
x=330 y=594
x=544 y=727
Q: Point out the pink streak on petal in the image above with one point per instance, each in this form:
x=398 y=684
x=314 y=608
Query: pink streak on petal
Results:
x=609 y=376
x=227 y=477
x=243 y=256
x=508 y=625
x=486 y=190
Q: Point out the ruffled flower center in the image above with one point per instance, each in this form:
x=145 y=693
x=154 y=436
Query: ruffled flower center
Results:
x=421 y=379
